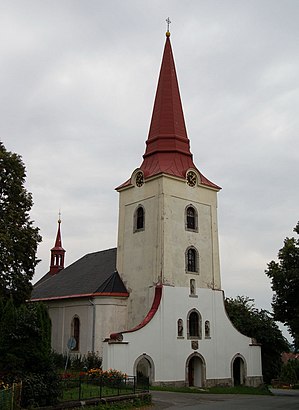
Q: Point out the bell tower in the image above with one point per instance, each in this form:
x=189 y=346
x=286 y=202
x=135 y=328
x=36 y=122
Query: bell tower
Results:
x=168 y=230
x=57 y=253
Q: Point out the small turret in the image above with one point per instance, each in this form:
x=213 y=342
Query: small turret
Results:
x=57 y=253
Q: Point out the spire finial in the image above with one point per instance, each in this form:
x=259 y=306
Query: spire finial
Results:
x=168 y=22
x=59 y=216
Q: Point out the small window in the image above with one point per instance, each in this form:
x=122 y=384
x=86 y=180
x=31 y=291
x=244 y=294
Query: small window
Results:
x=191 y=223
x=180 y=328
x=192 y=260
x=76 y=331
x=139 y=219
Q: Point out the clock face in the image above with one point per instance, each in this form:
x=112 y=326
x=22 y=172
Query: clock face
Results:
x=191 y=178
x=139 y=179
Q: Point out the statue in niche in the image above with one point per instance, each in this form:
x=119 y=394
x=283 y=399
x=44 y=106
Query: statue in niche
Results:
x=192 y=287
x=180 y=327
x=207 y=328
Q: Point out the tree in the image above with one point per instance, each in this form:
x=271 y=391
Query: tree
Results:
x=284 y=277
x=18 y=237
x=25 y=352
x=289 y=372
x=260 y=325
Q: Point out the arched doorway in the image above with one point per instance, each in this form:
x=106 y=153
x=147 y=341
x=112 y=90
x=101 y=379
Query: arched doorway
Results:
x=238 y=371
x=144 y=370
x=196 y=371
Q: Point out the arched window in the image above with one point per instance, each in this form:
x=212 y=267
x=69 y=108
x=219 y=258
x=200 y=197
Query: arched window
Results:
x=180 y=328
x=139 y=219
x=191 y=220
x=76 y=331
x=192 y=261
x=194 y=324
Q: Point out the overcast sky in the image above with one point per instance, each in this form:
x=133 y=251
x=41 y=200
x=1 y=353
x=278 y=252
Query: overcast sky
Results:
x=77 y=85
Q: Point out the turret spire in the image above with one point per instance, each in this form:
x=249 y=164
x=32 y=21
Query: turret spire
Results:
x=57 y=253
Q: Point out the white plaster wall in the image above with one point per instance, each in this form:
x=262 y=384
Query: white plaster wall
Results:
x=157 y=254
x=158 y=339
x=97 y=321
x=62 y=314
x=111 y=316
x=177 y=239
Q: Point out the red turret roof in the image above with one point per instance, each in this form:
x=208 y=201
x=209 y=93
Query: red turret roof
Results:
x=57 y=253
x=168 y=147
x=58 y=242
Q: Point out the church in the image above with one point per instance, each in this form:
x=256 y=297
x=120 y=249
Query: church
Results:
x=154 y=305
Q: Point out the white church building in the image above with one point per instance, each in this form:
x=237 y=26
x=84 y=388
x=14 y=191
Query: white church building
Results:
x=154 y=305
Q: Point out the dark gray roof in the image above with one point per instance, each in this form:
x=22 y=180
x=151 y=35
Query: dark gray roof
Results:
x=94 y=273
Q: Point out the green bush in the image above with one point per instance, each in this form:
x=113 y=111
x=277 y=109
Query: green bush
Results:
x=289 y=372
x=77 y=362
x=40 y=389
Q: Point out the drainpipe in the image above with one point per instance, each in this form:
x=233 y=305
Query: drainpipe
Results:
x=93 y=324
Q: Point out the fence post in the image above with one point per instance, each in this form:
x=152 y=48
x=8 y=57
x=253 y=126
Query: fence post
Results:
x=12 y=396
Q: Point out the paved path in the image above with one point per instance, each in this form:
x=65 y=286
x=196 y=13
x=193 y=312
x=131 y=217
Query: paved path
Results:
x=283 y=400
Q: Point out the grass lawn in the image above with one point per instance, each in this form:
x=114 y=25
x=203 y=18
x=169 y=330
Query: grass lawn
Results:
x=89 y=390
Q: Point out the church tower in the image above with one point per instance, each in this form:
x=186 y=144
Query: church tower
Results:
x=168 y=230
x=57 y=253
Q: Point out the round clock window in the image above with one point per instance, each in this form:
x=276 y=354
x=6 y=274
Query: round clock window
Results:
x=139 y=179
x=191 y=178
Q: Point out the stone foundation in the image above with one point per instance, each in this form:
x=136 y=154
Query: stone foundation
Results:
x=253 y=381
x=218 y=383
x=177 y=383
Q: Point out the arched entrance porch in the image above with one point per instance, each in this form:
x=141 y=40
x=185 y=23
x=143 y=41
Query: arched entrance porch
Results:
x=144 y=369
x=195 y=370
x=238 y=370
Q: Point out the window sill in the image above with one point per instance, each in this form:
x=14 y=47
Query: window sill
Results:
x=138 y=230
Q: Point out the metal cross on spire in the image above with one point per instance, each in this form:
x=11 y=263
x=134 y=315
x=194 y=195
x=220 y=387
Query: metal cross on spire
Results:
x=168 y=22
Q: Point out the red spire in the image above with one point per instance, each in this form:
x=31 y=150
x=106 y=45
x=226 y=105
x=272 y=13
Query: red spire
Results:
x=168 y=148
x=57 y=253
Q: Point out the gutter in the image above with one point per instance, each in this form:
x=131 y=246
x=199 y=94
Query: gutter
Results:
x=93 y=324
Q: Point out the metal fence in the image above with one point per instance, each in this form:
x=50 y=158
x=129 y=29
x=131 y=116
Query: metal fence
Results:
x=10 y=398
x=84 y=387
